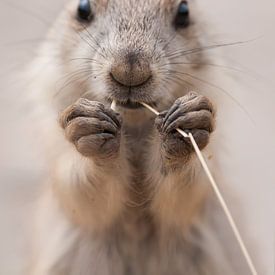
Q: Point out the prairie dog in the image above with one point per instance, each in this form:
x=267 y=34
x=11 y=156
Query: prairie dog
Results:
x=125 y=195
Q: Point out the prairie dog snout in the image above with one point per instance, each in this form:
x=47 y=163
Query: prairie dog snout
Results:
x=131 y=71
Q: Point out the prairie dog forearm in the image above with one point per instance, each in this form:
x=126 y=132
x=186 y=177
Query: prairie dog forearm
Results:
x=177 y=192
x=86 y=188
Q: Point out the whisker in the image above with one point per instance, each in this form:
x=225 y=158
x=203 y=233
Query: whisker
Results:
x=179 y=80
x=72 y=78
x=219 y=88
x=86 y=59
x=77 y=75
x=218 y=66
x=205 y=48
x=95 y=41
x=86 y=41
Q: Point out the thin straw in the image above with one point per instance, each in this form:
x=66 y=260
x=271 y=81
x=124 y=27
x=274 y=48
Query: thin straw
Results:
x=224 y=206
x=217 y=192
x=113 y=105
x=157 y=113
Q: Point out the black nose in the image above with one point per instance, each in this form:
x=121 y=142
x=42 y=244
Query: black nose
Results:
x=132 y=70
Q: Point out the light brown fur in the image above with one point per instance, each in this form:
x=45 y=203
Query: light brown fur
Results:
x=142 y=205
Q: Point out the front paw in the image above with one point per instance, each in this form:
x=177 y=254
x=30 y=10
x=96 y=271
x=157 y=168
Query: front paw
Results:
x=192 y=113
x=94 y=129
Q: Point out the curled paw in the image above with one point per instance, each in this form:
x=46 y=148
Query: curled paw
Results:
x=192 y=113
x=93 y=128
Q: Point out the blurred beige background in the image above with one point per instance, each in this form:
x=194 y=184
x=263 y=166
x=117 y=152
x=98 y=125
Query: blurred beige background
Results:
x=252 y=145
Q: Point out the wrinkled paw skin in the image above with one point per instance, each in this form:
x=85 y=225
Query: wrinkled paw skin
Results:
x=94 y=129
x=192 y=113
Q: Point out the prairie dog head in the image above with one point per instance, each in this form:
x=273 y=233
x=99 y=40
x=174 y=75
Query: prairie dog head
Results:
x=128 y=50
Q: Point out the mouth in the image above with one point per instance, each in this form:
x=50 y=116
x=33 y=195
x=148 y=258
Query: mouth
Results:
x=130 y=105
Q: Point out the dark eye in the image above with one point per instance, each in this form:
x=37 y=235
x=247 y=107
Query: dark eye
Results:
x=182 y=17
x=84 y=11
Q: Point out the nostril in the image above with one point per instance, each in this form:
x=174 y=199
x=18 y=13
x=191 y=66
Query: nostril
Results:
x=132 y=71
